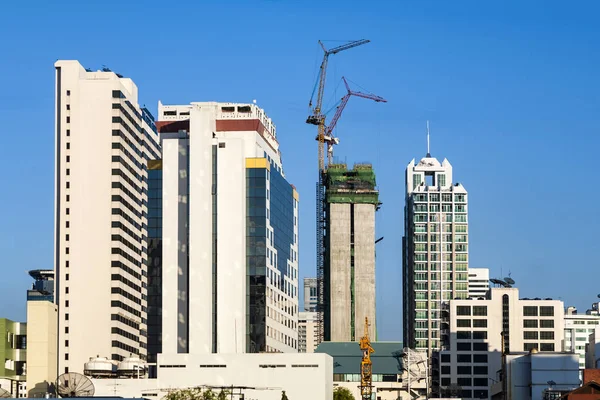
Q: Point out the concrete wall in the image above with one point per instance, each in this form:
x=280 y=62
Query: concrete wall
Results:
x=41 y=347
x=339 y=278
x=364 y=269
x=302 y=376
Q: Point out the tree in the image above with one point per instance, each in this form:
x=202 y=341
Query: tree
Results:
x=283 y=395
x=185 y=394
x=209 y=395
x=341 y=393
x=223 y=394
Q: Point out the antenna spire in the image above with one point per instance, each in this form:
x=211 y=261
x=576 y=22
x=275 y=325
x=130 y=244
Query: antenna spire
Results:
x=428 y=153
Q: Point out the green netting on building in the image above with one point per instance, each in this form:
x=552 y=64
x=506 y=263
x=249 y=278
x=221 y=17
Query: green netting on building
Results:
x=351 y=186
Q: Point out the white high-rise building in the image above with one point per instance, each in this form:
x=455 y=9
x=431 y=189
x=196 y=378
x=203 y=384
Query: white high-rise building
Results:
x=478 y=332
x=479 y=282
x=308 y=332
x=578 y=328
x=310 y=294
x=230 y=232
x=435 y=249
x=103 y=141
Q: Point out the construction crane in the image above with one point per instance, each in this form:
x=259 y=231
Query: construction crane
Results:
x=318 y=118
x=366 y=376
x=328 y=137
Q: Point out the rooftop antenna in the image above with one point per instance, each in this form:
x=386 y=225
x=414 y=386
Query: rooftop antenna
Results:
x=428 y=153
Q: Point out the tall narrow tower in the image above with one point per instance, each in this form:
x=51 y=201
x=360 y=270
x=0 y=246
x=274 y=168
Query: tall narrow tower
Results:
x=435 y=249
x=103 y=142
x=351 y=202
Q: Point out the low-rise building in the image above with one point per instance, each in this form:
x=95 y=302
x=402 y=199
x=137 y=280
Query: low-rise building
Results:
x=13 y=357
x=578 y=328
x=537 y=376
x=389 y=369
x=475 y=334
x=261 y=376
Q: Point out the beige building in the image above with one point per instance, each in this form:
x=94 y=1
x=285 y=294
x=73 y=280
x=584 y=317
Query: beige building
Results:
x=308 y=333
x=41 y=347
x=103 y=142
x=475 y=334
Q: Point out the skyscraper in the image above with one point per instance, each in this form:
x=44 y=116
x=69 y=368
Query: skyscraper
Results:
x=103 y=142
x=435 y=249
x=310 y=294
x=351 y=201
x=230 y=232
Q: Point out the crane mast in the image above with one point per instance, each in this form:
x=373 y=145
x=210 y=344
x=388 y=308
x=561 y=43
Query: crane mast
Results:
x=366 y=366
x=317 y=118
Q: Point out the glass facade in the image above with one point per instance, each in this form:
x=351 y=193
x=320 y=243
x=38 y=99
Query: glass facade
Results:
x=256 y=258
x=154 y=259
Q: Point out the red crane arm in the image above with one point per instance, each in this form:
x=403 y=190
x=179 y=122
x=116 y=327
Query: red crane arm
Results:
x=340 y=108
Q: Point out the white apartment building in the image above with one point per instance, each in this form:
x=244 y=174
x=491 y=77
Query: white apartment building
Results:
x=435 y=249
x=477 y=332
x=578 y=328
x=310 y=294
x=230 y=232
x=308 y=332
x=479 y=282
x=103 y=142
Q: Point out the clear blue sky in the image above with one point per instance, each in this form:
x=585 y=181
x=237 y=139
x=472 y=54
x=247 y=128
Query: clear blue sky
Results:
x=511 y=90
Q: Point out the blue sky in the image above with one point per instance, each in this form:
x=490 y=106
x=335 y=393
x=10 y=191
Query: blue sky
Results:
x=511 y=90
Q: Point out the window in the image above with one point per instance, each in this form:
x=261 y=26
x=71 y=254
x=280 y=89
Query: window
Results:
x=480 y=323
x=478 y=346
x=547 y=347
x=463 y=358
x=441 y=180
x=68 y=145
x=463 y=323
x=463 y=335
x=68 y=92
x=68 y=185
x=530 y=311
x=68 y=106
x=68 y=171
x=66 y=329
x=67 y=292
x=68 y=120
x=221 y=145
x=446 y=358
x=68 y=132
x=445 y=381
x=66 y=316
x=480 y=335
x=67 y=211
x=464 y=381
x=546 y=311
x=546 y=323
x=67 y=250
x=530 y=346
x=464 y=370
x=480 y=358
x=463 y=310
x=67 y=356
x=446 y=370
x=480 y=382
x=480 y=370
x=463 y=346
x=480 y=311
x=67 y=277
x=530 y=335
x=67 y=237
x=547 y=335
x=68 y=158
x=67 y=264
x=530 y=323
x=66 y=343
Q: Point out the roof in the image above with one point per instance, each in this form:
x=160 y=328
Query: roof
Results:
x=591 y=387
x=387 y=358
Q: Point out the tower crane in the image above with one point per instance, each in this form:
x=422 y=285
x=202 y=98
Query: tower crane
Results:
x=366 y=366
x=318 y=118
x=328 y=137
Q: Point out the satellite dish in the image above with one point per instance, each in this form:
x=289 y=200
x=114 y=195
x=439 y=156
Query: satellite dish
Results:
x=599 y=296
x=5 y=394
x=509 y=280
x=73 y=384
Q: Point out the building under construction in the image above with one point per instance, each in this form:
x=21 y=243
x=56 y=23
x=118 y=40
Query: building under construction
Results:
x=351 y=199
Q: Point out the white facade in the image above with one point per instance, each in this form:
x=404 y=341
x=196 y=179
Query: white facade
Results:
x=435 y=249
x=479 y=331
x=230 y=233
x=592 y=350
x=310 y=294
x=479 y=282
x=308 y=332
x=103 y=141
x=578 y=328
x=265 y=376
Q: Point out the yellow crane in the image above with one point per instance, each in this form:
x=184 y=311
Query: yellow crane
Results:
x=366 y=376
